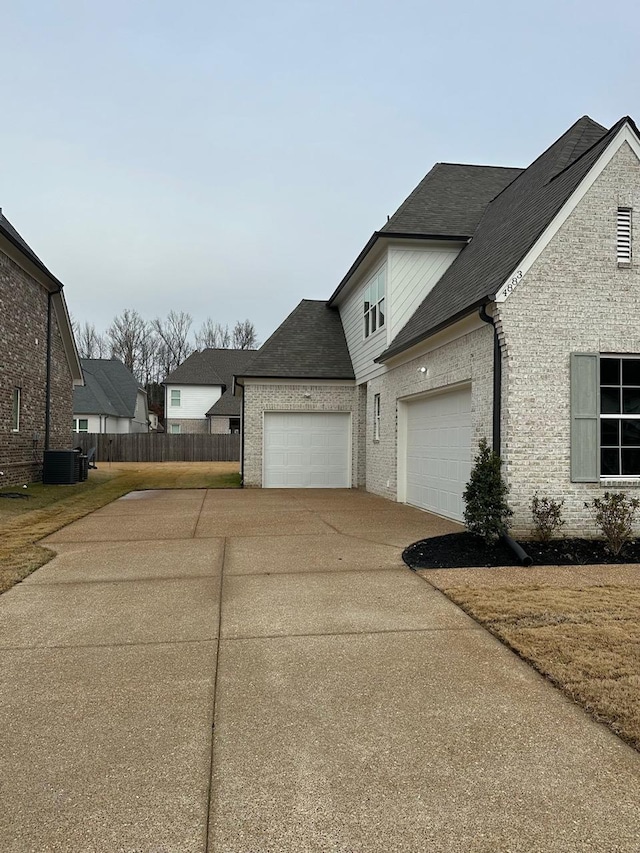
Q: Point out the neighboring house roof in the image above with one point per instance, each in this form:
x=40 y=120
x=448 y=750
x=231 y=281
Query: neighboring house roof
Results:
x=309 y=344
x=227 y=406
x=211 y=367
x=110 y=389
x=509 y=227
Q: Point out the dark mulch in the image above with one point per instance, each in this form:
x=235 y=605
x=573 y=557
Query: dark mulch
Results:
x=464 y=550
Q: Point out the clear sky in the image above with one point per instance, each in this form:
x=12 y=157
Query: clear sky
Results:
x=229 y=159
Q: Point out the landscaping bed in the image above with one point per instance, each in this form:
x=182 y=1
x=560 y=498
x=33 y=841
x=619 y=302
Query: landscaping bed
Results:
x=466 y=550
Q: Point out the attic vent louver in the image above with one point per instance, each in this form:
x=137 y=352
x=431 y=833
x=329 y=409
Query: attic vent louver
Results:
x=624 y=235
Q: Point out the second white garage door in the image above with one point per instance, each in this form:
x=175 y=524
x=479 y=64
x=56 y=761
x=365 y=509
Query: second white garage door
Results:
x=307 y=450
x=439 y=452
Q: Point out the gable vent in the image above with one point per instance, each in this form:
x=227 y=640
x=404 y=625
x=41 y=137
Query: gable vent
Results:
x=624 y=235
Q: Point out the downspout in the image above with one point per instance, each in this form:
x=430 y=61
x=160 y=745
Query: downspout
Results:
x=47 y=401
x=520 y=553
x=242 y=442
x=497 y=380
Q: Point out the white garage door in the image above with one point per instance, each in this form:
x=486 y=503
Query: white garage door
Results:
x=307 y=450
x=439 y=452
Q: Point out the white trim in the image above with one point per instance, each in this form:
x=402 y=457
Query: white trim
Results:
x=301 y=382
x=625 y=134
x=456 y=330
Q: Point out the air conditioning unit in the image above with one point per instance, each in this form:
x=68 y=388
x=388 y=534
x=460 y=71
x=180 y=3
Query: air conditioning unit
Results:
x=61 y=467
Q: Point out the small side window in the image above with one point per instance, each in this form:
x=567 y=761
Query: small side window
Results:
x=376 y=417
x=175 y=429
x=624 y=235
x=175 y=397
x=15 y=416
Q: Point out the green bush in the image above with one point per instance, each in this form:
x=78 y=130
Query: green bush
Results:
x=547 y=517
x=486 y=510
x=614 y=513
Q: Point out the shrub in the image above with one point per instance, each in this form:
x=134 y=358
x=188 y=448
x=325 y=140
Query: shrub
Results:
x=614 y=514
x=547 y=517
x=486 y=510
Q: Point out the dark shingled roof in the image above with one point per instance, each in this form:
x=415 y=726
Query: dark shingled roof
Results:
x=309 y=344
x=109 y=389
x=450 y=200
x=14 y=237
x=211 y=367
x=510 y=226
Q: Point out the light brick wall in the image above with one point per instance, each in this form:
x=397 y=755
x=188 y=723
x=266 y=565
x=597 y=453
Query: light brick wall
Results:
x=467 y=359
x=23 y=364
x=219 y=426
x=199 y=426
x=573 y=299
x=290 y=398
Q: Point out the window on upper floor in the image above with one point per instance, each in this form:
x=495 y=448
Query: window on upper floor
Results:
x=15 y=414
x=374 y=303
x=81 y=425
x=175 y=397
x=624 y=235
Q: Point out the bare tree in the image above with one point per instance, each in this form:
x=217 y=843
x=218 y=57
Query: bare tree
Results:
x=173 y=341
x=213 y=335
x=90 y=343
x=128 y=336
x=244 y=335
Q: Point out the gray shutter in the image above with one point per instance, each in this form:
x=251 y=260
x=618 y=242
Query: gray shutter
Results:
x=585 y=420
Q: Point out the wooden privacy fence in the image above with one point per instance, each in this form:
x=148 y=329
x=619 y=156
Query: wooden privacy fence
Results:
x=160 y=447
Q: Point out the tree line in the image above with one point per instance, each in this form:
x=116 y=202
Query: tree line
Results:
x=152 y=349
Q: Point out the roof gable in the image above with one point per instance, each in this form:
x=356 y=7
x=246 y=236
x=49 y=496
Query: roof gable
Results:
x=509 y=227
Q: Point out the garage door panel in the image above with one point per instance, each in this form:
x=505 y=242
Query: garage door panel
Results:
x=439 y=451
x=307 y=450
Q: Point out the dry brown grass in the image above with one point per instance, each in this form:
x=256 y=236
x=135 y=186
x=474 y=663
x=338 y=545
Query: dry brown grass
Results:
x=583 y=636
x=24 y=522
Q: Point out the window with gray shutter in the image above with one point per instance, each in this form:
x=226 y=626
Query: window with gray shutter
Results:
x=585 y=417
x=624 y=235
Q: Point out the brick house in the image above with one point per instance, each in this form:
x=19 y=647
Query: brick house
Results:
x=39 y=363
x=496 y=302
x=199 y=393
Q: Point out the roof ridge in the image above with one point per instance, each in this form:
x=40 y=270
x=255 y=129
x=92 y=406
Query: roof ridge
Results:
x=611 y=132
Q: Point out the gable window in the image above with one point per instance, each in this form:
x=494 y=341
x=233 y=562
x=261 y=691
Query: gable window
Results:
x=624 y=235
x=175 y=397
x=175 y=428
x=374 y=303
x=619 y=417
x=376 y=417
x=80 y=425
x=15 y=414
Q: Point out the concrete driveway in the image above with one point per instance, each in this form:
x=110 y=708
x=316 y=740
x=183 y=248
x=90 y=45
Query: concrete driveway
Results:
x=247 y=671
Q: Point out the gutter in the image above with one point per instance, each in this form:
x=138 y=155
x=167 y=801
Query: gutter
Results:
x=497 y=380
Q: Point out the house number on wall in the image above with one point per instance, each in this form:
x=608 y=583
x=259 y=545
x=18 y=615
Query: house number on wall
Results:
x=515 y=281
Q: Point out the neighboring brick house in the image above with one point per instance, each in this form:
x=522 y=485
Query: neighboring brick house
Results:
x=39 y=363
x=111 y=399
x=198 y=394
x=495 y=302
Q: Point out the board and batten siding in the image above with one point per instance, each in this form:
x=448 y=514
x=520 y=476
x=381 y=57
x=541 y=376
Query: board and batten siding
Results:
x=195 y=401
x=363 y=351
x=411 y=274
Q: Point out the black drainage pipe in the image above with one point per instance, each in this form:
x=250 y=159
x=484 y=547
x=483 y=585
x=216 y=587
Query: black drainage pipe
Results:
x=520 y=553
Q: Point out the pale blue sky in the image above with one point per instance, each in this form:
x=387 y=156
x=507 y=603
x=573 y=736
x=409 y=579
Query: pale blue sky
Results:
x=230 y=160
